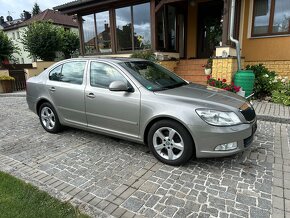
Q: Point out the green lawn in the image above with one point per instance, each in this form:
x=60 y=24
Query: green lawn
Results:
x=21 y=200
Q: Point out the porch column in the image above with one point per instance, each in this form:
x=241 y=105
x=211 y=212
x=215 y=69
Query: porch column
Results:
x=81 y=35
x=226 y=19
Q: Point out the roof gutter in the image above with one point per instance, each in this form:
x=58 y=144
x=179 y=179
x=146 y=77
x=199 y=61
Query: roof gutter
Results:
x=232 y=20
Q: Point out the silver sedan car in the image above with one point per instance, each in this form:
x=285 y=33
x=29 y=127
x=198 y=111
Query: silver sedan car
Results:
x=141 y=101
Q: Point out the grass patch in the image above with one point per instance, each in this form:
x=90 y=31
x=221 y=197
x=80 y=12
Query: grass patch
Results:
x=21 y=200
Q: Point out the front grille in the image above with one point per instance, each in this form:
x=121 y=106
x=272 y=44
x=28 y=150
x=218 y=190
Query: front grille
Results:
x=249 y=114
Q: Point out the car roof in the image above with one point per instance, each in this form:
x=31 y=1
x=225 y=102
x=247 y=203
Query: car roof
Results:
x=109 y=59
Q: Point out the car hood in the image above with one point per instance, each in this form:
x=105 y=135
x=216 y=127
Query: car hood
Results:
x=204 y=94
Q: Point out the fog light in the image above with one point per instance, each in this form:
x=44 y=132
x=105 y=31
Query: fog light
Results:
x=227 y=147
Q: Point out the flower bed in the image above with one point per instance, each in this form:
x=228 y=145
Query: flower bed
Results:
x=222 y=84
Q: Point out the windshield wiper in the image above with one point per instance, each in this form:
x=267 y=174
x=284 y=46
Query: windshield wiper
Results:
x=160 y=89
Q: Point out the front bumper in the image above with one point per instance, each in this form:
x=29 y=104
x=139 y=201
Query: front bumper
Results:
x=207 y=137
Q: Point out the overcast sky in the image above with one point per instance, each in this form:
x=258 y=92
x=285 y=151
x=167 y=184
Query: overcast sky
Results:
x=16 y=7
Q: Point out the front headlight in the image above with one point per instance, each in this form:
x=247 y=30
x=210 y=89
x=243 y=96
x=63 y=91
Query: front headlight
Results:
x=218 y=118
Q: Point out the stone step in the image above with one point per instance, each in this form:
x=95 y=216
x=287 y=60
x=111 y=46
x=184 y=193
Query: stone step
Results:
x=193 y=62
x=189 y=67
x=192 y=70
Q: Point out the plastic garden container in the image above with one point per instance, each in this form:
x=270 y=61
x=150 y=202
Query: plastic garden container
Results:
x=245 y=79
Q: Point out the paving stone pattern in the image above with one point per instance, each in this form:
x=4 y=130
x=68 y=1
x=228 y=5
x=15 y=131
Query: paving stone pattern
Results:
x=107 y=177
x=269 y=111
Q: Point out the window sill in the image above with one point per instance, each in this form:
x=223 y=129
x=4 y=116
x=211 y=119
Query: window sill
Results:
x=270 y=36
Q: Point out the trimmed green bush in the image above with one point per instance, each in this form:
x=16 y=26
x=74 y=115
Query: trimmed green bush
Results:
x=6 y=78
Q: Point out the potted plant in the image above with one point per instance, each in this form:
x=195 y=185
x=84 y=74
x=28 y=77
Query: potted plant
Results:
x=6 y=82
x=208 y=66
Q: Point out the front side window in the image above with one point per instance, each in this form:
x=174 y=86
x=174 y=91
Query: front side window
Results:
x=101 y=75
x=271 y=17
x=72 y=72
x=152 y=76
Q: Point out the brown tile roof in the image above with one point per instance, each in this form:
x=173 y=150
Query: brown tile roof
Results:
x=55 y=16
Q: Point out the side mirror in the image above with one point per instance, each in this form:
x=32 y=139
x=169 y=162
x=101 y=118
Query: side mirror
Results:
x=118 y=86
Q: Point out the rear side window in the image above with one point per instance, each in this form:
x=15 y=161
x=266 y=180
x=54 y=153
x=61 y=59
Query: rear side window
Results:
x=72 y=72
x=103 y=74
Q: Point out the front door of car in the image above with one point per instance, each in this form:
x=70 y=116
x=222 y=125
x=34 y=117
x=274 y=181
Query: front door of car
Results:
x=66 y=86
x=111 y=111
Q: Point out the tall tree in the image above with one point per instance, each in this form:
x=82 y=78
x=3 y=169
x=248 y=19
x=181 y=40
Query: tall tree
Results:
x=35 y=9
x=41 y=39
x=6 y=47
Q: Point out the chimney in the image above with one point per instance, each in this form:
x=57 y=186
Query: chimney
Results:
x=106 y=27
x=9 y=18
x=27 y=15
x=1 y=20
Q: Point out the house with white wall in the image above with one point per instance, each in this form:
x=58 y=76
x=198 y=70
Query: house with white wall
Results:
x=15 y=31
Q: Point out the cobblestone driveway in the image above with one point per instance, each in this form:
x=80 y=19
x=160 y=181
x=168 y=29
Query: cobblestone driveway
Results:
x=110 y=177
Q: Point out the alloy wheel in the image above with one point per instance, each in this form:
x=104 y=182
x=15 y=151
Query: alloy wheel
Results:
x=47 y=118
x=168 y=143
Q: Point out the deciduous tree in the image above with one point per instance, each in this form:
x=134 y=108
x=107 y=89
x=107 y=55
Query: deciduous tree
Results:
x=7 y=47
x=41 y=39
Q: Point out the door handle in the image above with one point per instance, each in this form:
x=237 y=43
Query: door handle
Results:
x=91 y=95
x=52 y=89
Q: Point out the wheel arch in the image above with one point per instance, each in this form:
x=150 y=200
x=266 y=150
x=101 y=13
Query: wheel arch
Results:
x=156 y=119
x=40 y=102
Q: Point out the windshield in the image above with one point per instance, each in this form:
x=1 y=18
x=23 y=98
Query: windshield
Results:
x=152 y=76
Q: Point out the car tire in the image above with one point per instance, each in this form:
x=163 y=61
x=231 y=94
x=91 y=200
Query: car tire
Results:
x=170 y=142
x=48 y=118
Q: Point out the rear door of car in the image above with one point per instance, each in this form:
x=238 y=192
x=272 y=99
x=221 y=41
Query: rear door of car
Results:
x=66 y=86
x=111 y=111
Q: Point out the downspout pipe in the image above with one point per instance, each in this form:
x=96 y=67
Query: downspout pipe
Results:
x=232 y=20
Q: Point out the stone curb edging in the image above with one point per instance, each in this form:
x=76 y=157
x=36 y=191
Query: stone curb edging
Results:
x=13 y=95
x=273 y=119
